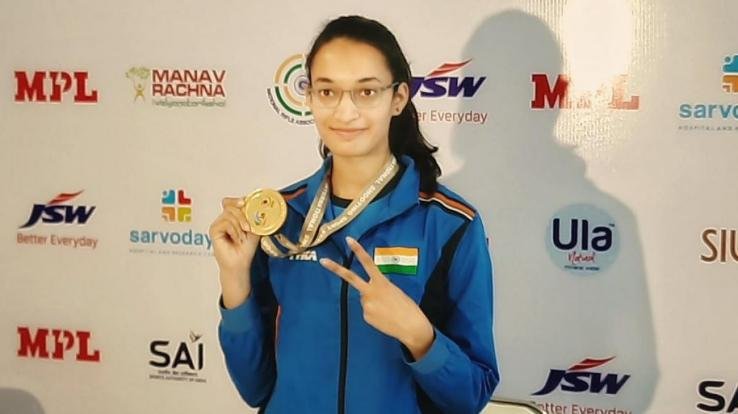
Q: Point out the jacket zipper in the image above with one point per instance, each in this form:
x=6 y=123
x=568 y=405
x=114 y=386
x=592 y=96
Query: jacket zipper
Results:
x=344 y=341
x=344 y=313
x=344 y=325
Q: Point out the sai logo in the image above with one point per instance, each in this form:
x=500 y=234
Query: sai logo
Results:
x=56 y=212
x=730 y=74
x=139 y=76
x=176 y=209
x=179 y=354
x=722 y=400
x=437 y=85
x=579 y=378
x=178 y=360
x=288 y=95
x=582 y=238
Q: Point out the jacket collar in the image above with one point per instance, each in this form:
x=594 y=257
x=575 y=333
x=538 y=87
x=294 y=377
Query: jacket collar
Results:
x=404 y=195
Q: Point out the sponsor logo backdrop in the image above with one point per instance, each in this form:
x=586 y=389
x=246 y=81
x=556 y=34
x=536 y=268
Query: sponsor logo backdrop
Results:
x=599 y=140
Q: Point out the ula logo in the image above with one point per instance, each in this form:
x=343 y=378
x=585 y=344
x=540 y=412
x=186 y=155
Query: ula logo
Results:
x=582 y=238
x=35 y=345
x=178 y=354
x=57 y=212
x=717 y=241
x=437 y=85
x=177 y=209
x=721 y=400
x=35 y=88
x=578 y=378
x=558 y=96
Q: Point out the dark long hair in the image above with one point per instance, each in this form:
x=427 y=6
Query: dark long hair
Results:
x=405 y=137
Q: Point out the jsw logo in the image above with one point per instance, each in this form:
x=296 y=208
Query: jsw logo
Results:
x=35 y=345
x=578 y=378
x=37 y=87
x=55 y=212
x=437 y=85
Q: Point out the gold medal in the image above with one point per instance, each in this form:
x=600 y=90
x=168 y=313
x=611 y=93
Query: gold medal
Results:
x=265 y=210
x=313 y=232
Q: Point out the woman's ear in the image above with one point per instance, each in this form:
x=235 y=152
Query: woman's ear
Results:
x=400 y=98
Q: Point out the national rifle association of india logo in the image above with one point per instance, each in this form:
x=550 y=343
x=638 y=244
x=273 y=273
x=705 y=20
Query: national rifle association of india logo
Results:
x=288 y=95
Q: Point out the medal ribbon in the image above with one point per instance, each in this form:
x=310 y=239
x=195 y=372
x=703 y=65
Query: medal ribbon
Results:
x=312 y=232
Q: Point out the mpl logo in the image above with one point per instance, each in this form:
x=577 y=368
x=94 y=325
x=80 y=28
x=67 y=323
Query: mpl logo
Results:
x=579 y=379
x=35 y=86
x=176 y=208
x=58 y=211
x=718 y=399
x=583 y=239
x=288 y=96
x=722 y=245
x=437 y=84
x=36 y=344
x=178 y=360
x=547 y=96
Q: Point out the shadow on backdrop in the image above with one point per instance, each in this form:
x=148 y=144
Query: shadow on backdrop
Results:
x=15 y=401
x=518 y=176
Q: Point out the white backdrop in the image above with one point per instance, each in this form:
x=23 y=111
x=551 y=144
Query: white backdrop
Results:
x=633 y=312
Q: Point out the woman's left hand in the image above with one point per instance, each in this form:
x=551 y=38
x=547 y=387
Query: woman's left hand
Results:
x=386 y=307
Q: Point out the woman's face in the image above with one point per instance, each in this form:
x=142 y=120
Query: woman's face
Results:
x=349 y=130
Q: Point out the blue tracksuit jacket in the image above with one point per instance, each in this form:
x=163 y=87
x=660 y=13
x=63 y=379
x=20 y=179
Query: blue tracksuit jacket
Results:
x=299 y=344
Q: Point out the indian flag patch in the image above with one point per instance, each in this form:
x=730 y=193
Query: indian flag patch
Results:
x=403 y=260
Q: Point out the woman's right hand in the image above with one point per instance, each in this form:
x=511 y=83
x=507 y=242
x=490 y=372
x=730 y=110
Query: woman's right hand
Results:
x=234 y=247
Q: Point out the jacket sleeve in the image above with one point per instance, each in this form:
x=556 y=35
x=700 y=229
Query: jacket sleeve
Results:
x=459 y=372
x=246 y=335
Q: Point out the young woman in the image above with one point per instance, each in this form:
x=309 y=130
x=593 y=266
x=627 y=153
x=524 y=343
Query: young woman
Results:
x=390 y=310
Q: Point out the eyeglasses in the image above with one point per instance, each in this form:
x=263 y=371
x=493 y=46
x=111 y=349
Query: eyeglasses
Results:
x=363 y=97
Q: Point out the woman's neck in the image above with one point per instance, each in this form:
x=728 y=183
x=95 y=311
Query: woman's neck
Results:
x=350 y=175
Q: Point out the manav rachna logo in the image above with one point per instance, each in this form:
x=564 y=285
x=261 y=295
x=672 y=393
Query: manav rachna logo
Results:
x=174 y=87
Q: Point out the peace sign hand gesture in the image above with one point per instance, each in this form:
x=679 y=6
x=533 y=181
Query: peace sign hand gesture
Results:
x=386 y=307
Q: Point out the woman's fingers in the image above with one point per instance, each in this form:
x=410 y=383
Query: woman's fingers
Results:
x=365 y=259
x=350 y=277
x=240 y=218
x=231 y=202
